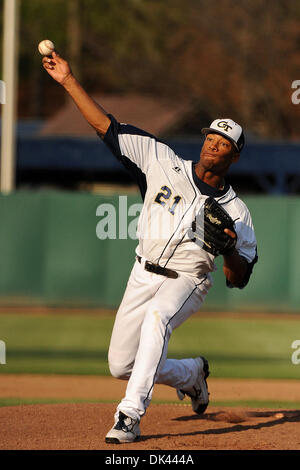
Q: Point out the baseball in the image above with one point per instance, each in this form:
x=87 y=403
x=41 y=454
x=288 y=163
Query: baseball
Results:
x=46 y=47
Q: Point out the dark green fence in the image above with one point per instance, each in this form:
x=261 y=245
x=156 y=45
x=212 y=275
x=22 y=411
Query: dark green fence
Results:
x=51 y=255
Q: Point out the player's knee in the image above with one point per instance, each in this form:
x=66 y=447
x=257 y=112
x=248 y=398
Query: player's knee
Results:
x=120 y=371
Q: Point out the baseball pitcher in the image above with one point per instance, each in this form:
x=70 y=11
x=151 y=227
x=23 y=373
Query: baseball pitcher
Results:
x=190 y=215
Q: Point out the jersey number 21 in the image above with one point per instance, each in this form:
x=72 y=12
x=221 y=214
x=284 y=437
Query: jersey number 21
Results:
x=164 y=195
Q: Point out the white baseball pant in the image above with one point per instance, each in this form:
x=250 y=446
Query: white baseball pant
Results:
x=152 y=306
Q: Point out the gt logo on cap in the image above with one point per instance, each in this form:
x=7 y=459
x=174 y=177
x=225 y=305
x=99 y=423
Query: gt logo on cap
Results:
x=229 y=129
x=224 y=125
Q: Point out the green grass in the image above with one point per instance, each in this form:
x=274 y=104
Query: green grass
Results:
x=78 y=344
x=272 y=404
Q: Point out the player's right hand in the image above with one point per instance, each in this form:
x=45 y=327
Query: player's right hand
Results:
x=57 y=67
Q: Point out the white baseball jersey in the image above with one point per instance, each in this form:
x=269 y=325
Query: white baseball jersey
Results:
x=154 y=305
x=173 y=197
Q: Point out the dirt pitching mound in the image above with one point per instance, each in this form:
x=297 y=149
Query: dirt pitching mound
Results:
x=164 y=427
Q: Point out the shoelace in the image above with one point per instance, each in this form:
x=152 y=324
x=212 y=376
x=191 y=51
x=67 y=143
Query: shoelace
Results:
x=123 y=425
x=197 y=393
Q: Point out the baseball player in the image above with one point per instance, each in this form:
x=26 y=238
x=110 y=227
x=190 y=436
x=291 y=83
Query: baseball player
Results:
x=179 y=237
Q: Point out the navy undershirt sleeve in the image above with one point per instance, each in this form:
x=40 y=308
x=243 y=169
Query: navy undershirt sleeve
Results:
x=111 y=139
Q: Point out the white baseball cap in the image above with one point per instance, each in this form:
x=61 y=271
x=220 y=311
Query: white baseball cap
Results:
x=229 y=129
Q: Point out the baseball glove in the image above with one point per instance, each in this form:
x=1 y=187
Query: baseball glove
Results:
x=212 y=236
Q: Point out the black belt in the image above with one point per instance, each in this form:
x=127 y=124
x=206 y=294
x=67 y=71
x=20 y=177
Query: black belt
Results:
x=157 y=269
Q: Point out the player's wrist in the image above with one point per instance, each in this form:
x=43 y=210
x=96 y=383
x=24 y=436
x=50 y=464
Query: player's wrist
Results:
x=231 y=253
x=68 y=81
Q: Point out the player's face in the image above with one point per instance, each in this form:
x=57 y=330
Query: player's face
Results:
x=217 y=153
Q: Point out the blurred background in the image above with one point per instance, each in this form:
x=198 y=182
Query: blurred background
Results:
x=166 y=66
x=169 y=67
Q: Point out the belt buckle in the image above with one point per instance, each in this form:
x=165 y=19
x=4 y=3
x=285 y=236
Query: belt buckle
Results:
x=157 y=269
x=149 y=266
